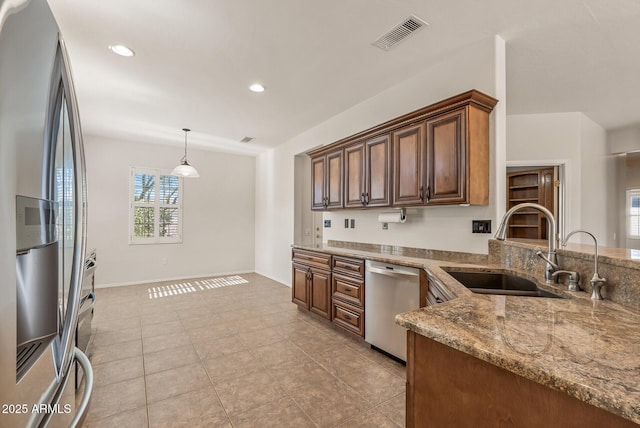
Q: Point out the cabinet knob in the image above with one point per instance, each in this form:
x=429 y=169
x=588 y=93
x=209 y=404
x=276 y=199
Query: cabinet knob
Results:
x=363 y=201
x=421 y=194
x=347 y=317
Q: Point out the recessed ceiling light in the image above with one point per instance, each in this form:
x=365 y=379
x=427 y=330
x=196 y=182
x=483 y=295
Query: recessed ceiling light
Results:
x=121 y=50
x=256 y=87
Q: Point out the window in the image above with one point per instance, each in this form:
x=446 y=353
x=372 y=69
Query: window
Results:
x=633 y=213
x=155 y=207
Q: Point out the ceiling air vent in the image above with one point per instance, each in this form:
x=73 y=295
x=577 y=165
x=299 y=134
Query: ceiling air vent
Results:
x=400 y=32
x=246 y=139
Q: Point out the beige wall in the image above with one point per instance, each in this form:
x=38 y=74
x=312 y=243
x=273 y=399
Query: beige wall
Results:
x=438 y=227
x=218 y=216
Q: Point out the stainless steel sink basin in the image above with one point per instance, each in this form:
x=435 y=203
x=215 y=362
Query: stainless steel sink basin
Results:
x=499 y=283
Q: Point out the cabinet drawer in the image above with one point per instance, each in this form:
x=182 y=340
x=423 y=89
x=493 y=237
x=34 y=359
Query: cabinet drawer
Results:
x=348 y=317
x=312 y=258
x=348 y=289
x=348 y=266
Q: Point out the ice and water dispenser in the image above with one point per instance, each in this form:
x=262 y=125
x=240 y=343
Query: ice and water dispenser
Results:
x=37 y=279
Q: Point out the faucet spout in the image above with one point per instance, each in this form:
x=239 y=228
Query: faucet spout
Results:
x=551 y=259
x=597 y=282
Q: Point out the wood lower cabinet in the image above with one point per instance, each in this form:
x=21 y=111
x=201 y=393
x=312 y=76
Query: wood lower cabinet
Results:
x=326 y=181
x=311 y=281
x=409 y=165
x=348 y=292
x=449 y=388
x=320 y=292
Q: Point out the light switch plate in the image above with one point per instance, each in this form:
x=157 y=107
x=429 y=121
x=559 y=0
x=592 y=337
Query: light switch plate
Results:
x=480 y=226
x=327 y=223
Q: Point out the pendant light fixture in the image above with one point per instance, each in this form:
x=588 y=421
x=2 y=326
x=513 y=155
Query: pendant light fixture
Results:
x=184 y=169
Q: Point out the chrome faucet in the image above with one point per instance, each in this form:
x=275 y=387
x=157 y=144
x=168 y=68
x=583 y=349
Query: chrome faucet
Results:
x=550 y=257
x=597 y=282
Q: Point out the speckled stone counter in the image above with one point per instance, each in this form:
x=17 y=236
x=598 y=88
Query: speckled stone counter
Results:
x=589 y=350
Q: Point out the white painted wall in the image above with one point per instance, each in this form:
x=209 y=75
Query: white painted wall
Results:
x=598 y=207
x=219 y=214
x=439 y=227
x=624 y=140
x=580 y=144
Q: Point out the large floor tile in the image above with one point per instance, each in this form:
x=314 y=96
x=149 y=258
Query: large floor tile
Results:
x=169 y=359
x=231 y=366
x=368 y=419
x=110 y=337
x=116 y=351
x=170 y=383
x=394 y=409
x=197 y=409
x=118 y=370
x=135 y=418
x=116 y=398
x=283 y=412
x=248 y=392
x=329 y=402
x=164 y=328
x=165 y=341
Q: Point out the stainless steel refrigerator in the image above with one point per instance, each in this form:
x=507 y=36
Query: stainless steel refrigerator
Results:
x=43 y=208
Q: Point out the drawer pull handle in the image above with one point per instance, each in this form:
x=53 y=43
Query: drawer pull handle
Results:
x=347 y=317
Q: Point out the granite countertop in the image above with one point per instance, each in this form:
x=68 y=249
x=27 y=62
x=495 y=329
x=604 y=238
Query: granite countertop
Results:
x=588 y=349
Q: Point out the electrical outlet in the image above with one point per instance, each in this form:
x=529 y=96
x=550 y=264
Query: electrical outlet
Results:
x=327 y=223
x=353 y=223
x=480 y=226
x=346 y=223
x=385 y=226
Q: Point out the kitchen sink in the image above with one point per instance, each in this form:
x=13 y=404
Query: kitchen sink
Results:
x=500 y=283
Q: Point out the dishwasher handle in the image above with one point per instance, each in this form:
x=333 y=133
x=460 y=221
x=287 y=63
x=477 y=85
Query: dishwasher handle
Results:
x=392 y=272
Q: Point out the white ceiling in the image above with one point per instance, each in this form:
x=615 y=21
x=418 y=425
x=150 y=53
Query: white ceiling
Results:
x=195 y=60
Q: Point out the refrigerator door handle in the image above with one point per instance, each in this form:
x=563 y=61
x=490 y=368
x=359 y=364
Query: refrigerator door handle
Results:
x=85 y=364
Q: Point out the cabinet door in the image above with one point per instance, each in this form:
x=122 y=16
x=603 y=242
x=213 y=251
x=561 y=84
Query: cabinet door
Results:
x=354 y=176
x=333 y=180
x=378 y=163
x=317 y=183
x=299 y=285
x=409 y=147
x=446 y=154
x=320 y=293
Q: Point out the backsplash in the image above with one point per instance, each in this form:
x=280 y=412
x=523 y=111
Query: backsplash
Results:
x=622 y=274
x=421 y=253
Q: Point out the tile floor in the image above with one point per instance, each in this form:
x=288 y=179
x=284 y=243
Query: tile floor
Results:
x=232 y=352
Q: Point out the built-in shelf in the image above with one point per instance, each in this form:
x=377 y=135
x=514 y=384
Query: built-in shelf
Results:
x=534 y=186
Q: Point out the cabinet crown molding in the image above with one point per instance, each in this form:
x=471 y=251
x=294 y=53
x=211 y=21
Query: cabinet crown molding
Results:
x=472 y=97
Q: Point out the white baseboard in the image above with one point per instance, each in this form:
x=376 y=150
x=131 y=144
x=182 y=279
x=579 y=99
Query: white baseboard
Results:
x=151 y=281
x=288 y=284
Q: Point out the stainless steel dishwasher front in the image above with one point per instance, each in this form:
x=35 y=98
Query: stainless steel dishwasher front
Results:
x=390 y=290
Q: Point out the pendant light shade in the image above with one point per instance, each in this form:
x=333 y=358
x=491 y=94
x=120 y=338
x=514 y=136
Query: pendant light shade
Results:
x=184 y=169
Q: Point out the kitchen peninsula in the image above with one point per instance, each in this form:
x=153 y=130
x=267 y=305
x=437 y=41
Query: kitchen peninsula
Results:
x=537 y=361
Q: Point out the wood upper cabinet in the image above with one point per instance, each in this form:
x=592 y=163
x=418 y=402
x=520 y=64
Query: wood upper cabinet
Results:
x=378 y=166
x=458 y=157
x=433 y=156
x=366 y=171
x=326 y=181
x=354 y=176
x=409 y=169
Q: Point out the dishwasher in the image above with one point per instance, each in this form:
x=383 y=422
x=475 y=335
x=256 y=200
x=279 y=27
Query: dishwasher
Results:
x=390 y=290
